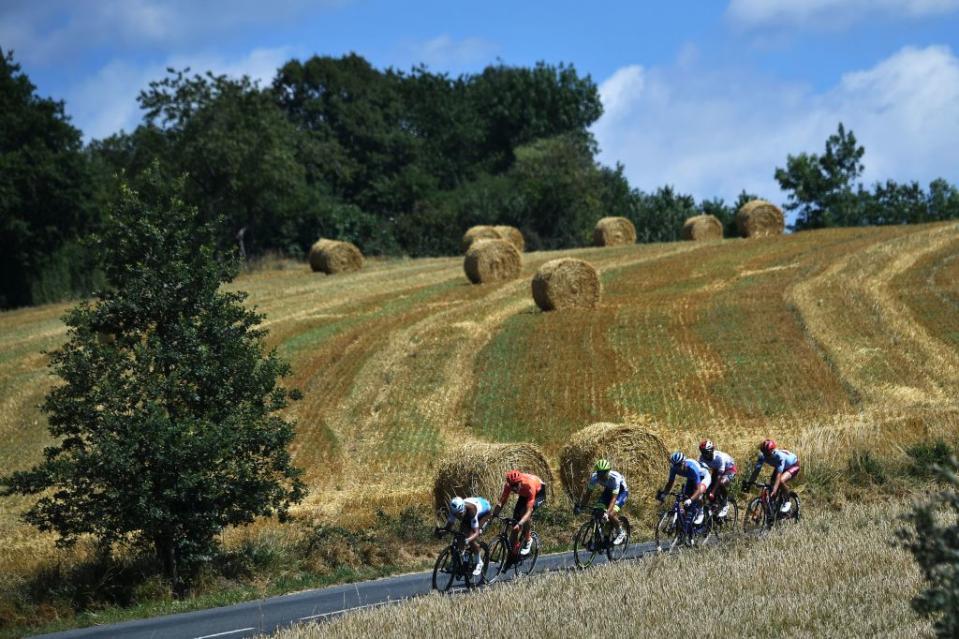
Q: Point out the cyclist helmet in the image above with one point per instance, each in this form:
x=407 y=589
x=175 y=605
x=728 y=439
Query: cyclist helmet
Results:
x=677 y=458
x=707 y=448
x=457 y=505
x=513 y=476
x=602 y=466
x=768 y=446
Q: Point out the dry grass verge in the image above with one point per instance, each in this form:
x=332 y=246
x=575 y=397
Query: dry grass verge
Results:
x=834 y=575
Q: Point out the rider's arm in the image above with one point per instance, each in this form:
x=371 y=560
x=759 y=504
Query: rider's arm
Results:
x=502 y=500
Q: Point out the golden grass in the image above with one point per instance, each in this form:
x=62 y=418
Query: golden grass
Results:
x=833 y=575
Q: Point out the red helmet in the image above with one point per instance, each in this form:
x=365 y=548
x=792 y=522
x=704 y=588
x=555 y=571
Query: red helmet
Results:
x=768 y=446
x=706 y=446
x=513 y=477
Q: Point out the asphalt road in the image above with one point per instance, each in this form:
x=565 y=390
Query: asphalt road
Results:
x=267 y=615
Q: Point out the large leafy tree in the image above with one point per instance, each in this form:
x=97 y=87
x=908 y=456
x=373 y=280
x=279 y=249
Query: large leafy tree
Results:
x=45 y=191
x=166 y=419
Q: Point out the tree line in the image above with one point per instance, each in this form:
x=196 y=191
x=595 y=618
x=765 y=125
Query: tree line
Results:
x=397 y=162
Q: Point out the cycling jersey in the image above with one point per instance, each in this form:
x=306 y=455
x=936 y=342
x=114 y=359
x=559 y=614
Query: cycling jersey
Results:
x=779 y=459
x=694 y=472
x=721 y=462
x=482 y=508
x=614 y=482
x=529 y=486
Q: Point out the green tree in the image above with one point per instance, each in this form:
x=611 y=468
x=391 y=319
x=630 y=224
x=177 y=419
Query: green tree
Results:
x=933 y=540
x=821 y=188
x=166 y=418
x=46 y=199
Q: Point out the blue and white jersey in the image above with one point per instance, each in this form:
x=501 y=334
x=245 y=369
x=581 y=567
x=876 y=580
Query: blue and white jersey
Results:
x=779 y=459
x=721 y=462
x=614 y=482
x=692 y=470
x=481 y=506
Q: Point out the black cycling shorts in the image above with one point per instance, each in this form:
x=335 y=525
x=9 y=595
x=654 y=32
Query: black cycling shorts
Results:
x=520 y=508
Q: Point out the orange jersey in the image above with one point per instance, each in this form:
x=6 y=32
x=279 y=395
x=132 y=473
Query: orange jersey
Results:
x=529 y=485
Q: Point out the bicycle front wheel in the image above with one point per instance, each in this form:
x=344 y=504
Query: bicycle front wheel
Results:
x=754 y=519
x=668 y=531
x=498 y=559
x=445 y=571
x=728 y=524
x=615 y=552
x=525 y=564
x=584 y=545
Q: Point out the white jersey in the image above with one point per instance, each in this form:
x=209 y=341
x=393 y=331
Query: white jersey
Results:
x=721 y=462
x=615 y=482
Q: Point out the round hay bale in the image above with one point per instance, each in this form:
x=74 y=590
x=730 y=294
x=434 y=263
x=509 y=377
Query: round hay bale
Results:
x=513 y=235
x=492 y=261
x=477 y=469
x=614 y=231
x=632 y=450
x=331 y=256
x=759 y=218
x=703 y=228
x=481 y=232
x=566 y=283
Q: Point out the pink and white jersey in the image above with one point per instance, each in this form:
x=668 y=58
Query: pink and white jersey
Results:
x=721 y=462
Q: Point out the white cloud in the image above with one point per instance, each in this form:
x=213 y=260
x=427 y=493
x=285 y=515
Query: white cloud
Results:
x=829 y=13
x=106 y=103
x=443 y=53
x=714 y=134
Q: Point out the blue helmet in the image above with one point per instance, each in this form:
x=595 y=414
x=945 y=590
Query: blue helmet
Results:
x=677 y=458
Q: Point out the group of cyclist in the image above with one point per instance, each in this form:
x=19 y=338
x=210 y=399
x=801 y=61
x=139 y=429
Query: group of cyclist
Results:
x=710 y=476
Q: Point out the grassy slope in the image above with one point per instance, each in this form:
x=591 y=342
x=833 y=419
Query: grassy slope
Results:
x=833 y=341
x=833 y=575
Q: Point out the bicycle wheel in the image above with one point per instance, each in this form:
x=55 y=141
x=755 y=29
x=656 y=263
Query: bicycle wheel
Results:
x=755 y=517
x=793 y=514
x=498 y=559
x=729 y=523
x=445 y=570
x=584 y=545
x=668 y=531
x=526 y=563
x=472 y=580
x=618 y=551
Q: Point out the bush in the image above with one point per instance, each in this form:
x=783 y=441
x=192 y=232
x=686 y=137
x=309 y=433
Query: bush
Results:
x=924 y=456
x=865 y=469
x=933 y=539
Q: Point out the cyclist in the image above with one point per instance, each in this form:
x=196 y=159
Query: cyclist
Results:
x=615 y=494
x=785 y=467
x=722 y=469
x=698 y=480
x=473 y=513
x=531 y=493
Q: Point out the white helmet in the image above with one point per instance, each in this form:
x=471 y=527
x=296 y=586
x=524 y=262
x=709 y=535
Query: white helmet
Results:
x=457 y=505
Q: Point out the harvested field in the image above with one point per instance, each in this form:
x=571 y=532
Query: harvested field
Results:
x=843 y=335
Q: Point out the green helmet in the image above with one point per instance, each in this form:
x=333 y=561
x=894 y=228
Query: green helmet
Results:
x=602 y=465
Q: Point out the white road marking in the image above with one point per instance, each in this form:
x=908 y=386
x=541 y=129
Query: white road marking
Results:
x=346 y=610
x=228 y=632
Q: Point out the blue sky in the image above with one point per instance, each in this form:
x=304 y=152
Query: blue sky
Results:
x=708 y=96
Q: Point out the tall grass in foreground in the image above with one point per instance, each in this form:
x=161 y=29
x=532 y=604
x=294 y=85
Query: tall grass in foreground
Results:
x=834 y=575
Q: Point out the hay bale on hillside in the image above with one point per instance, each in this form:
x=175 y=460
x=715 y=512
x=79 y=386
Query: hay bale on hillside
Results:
x=492 y=261
x=703 y=228
x=633 y=451
x=614 y=231
x=566 y=283
x=513 y=235
x=759 y=218
x=477 y=469
x=481 y=232
x=331 y=256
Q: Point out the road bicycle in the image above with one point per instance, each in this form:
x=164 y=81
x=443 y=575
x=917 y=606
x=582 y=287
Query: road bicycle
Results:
x=679 y=527
x=456 y=563
x=763 y=512
x=504 y=556
x=597 y=536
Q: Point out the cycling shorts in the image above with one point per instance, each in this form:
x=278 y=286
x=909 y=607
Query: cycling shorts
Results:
x=607 y=496
x=521 y=504
x=793 y=470
x=727 y=477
